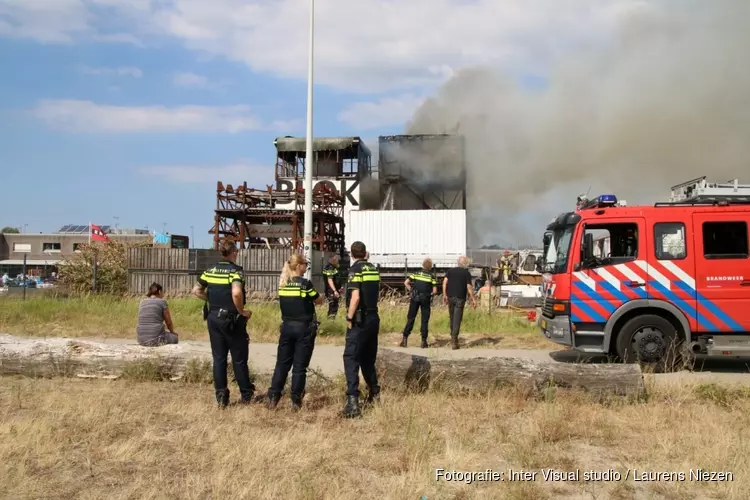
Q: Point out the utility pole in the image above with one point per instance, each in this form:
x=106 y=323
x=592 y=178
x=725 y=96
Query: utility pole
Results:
x=309 y=151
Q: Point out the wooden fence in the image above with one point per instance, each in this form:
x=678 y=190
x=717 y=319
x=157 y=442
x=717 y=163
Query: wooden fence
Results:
x=177 y=269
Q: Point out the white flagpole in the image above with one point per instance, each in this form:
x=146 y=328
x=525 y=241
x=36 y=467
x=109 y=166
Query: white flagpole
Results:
x=89 y=232
x=309 y=149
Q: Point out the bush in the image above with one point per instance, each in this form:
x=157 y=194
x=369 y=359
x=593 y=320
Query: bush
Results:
x=77 y=274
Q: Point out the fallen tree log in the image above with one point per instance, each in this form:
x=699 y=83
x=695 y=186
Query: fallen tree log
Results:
x=413 y=372
x=79 y=358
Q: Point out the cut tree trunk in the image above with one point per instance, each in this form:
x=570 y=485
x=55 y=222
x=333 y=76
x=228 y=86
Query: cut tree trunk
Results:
x=398 y=370
x=78 y=358
x=415 y=372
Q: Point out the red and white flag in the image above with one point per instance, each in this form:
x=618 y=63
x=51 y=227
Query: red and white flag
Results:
x=96 y=233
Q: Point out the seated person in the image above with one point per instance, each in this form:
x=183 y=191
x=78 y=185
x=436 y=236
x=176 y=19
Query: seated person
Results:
x=152 y=315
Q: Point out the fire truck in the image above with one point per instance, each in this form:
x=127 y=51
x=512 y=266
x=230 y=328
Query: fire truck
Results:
x=650 y=284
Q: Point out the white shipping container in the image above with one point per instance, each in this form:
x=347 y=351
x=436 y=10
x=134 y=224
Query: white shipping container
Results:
x=395 y=236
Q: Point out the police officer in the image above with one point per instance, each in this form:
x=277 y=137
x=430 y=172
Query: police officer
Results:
x=422 y=285
x=223 y=288
x=297 y=298
x=363 y=327
x=332 y=286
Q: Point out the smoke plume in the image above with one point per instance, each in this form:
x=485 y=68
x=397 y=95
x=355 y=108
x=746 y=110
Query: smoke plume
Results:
x=667 y=100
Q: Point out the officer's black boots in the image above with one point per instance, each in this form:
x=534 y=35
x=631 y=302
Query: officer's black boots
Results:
x=351 y=410
x=296 y=402
x=372 y=398
x=403 y=341
x=273 y=400
x=424 y=343
x=222 y=398
x=454 y=342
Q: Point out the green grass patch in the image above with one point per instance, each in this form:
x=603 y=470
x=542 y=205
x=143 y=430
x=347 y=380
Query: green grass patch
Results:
x=106 y=316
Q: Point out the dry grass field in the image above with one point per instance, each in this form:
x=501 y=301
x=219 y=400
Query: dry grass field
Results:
x=91 y=439
x=103 y=316
x=139 y=438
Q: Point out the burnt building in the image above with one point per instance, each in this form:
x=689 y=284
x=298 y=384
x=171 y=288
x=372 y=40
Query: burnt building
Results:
x=422 y=172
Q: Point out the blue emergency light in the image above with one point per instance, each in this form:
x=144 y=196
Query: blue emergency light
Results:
x=607 y=199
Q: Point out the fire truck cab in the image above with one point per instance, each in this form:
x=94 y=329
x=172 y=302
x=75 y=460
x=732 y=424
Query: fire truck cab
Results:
x=645 y=283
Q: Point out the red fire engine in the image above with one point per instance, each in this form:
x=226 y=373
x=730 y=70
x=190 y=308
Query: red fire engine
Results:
x=643 y=283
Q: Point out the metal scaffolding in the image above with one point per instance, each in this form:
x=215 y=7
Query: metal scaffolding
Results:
x=275 y=219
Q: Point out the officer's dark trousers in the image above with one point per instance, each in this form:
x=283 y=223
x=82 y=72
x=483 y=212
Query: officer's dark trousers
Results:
x=296 y=344
x=333 y=305
x=226 y=338
x=456 y=314
x=360 y=351
x=414 y=307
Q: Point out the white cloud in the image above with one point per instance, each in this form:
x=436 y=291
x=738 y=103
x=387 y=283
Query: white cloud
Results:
x=87 y=116
x=65 y=21
x=233 y=174
x=120 y=71
x=386 y=112
x=402 y=45
x=195 y=81
x=190 y=80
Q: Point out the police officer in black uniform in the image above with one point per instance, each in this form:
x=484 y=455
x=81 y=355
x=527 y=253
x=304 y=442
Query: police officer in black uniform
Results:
x=297 y=298
x=332 y=286
x=422 y=285
x=363 y=327
x=223 y=288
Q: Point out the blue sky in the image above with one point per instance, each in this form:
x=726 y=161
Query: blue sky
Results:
x=56 y=176
x=135 y=108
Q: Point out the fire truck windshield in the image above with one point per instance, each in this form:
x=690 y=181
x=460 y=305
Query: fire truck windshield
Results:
x=556 y=258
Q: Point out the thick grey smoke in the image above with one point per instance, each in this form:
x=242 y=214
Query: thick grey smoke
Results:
x=666 y=101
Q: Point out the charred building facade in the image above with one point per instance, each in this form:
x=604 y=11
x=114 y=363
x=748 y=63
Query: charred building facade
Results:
x=422 y=172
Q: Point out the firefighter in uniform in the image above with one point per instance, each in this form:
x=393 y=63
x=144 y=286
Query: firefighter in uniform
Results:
x=363 y=327
x=297 y=299
x=223 y=288
x=422 y=285
x=332 y=286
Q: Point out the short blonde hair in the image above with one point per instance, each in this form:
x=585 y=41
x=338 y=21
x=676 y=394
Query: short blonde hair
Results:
x=427 y=264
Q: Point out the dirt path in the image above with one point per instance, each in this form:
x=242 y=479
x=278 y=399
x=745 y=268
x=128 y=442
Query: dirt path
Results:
x=327 y=359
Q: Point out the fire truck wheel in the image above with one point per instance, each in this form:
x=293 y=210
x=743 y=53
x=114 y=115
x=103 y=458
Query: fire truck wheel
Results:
x=650 y=340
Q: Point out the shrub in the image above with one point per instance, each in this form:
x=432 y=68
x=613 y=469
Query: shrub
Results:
x=77 y=274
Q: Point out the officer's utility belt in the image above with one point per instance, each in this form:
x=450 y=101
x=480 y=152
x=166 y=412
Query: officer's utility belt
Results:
x=312 y=324
x=296 y=323
x=420 y=296
x=360 y=316
x=226 y=314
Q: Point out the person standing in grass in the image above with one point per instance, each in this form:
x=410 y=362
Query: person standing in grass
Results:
x=223 y=287
x=422 y=286
x=456 y=286
x=297 y=300
x=153 y=313
x=363 y=327
x=332 y=285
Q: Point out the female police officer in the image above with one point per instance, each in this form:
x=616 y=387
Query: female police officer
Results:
x=297 y=298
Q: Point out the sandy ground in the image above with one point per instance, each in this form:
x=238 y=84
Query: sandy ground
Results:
x=327 y=360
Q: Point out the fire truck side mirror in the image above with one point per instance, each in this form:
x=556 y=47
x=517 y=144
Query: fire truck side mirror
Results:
x=587 y=252
x=546 y=240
